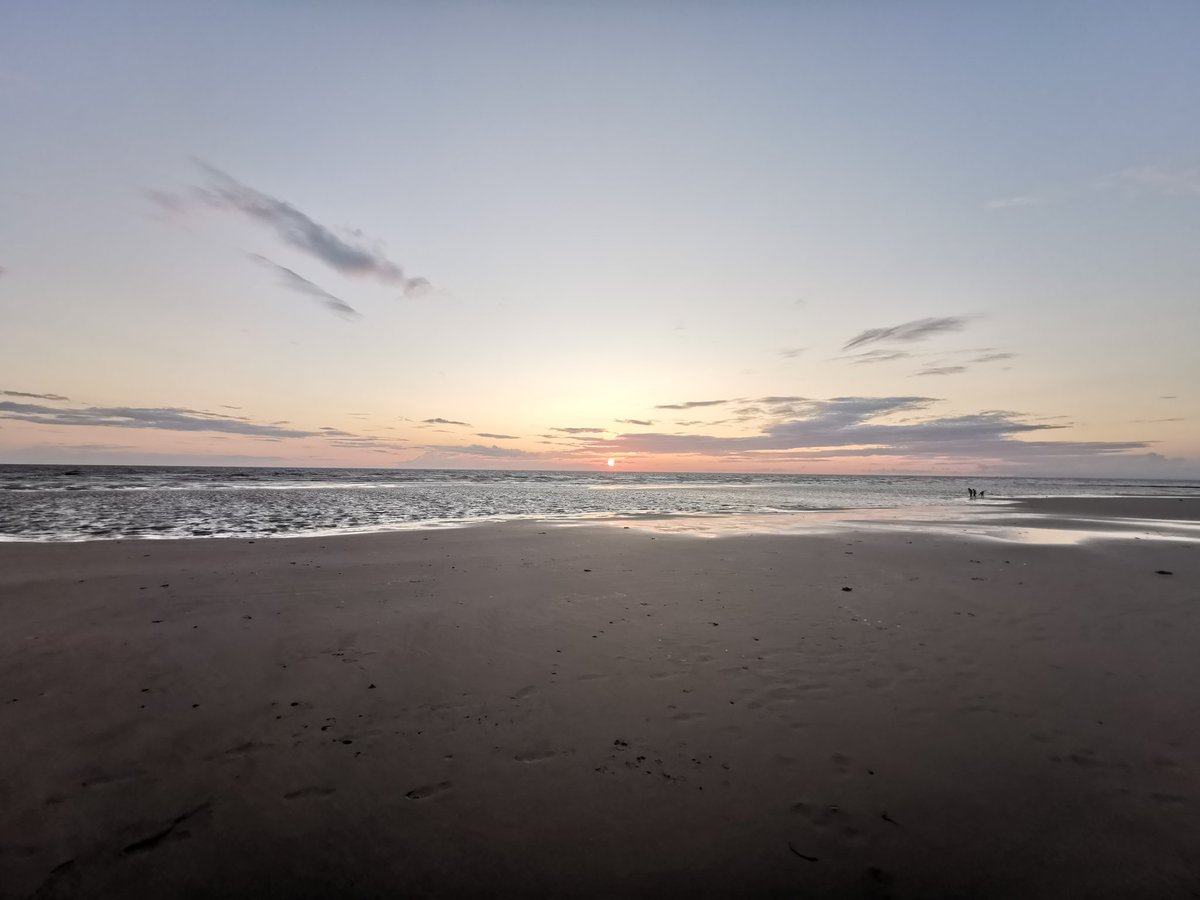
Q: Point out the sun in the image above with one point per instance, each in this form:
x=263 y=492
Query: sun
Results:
x=611 y=462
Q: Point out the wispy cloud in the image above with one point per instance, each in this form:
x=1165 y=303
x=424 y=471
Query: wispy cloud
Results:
x=365 y=442
x=165 y=418
x=916 y=330
x=492 y=452
x=302 y=285
x=497 y=437
x=691 y=404
x=349 y=253
x=993 y=357
x=646 y=422
x=579 y=430
x=440 y=421
x=791 y=352
x=874 y=356
x=941 y=370
x=56 y=398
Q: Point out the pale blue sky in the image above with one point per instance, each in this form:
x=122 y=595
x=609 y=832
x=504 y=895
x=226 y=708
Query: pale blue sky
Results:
x=619 y=206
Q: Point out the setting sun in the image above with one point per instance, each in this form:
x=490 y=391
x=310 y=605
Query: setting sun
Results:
x=611 y=462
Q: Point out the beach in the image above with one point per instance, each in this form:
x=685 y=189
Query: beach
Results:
x=529 y=710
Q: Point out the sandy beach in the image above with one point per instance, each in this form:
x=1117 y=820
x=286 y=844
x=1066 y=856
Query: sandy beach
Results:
x=526 y=710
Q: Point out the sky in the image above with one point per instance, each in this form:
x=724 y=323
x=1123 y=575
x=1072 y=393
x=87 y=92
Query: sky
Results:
x=854 y=237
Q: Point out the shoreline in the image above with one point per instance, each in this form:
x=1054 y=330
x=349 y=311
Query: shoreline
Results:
x=1017 y=519
x=519 y=709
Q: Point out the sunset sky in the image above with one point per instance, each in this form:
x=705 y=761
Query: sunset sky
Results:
x=811 y=237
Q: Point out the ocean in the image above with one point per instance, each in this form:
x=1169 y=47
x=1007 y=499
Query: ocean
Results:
x=74 y=503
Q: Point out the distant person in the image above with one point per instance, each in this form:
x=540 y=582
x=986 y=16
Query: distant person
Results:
x=971 y=493
x=982 y=494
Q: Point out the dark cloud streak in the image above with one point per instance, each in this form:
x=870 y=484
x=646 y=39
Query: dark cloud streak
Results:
x=347 y=253
x=56 y=398
x=302 y=285
x=165 y=418
x=852 y=427
x=916 y=330
x=691 y=404
x=942 y=370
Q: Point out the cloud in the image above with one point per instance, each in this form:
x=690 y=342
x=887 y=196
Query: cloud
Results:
x=691 y=404
x=875 y=356
x=843 y=427
x=365 y=442
x=497 y=437
x=440 y=421
x=302 y=285
x=165 y=418
x=101 y=454
x=57 y=398
x=492 y=452
x=579 y=430
x=916 y=330
x=646 y=422
x=791 y=352
x=941 y=370
x=993 y=357
x=348 y=253
x=415 y=288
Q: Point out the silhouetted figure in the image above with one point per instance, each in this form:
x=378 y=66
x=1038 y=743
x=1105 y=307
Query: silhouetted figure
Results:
x=971 y=493
x=982 y=494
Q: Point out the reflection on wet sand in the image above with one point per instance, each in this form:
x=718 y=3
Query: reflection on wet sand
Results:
x=1011 y=521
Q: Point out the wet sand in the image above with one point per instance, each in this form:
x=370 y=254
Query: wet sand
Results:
x=537 y=711
x=1171 y=509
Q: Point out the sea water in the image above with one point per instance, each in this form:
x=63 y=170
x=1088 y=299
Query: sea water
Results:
x=65 y=503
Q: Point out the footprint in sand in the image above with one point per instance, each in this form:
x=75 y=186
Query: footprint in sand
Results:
x=429 y=790
x=829 y=818
x=171 y=831
x=527 y=691
x=534 y=756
